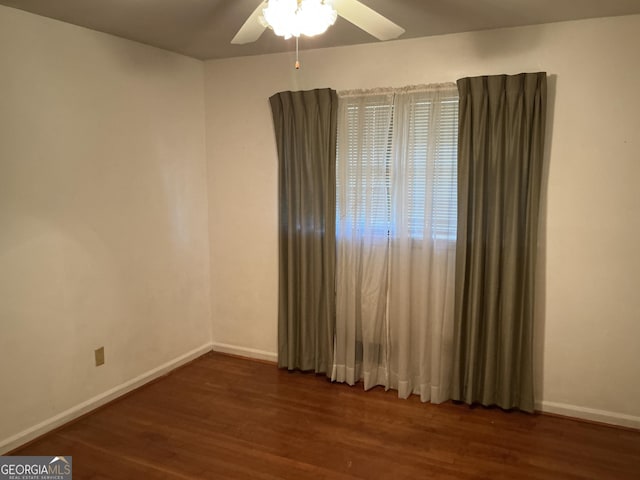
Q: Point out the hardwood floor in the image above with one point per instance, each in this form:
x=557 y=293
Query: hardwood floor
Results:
x=229 y=418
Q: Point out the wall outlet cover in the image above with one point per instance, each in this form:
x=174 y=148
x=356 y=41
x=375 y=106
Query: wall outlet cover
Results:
x=99 y=354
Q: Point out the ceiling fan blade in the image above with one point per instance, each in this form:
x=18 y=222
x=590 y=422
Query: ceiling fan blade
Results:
x=367 y=19
x=251 y=29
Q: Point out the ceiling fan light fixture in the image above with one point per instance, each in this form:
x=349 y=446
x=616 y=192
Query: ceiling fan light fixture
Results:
x=292 y=18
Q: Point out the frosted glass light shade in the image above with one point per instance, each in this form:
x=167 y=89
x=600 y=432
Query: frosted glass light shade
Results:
x=292 y=18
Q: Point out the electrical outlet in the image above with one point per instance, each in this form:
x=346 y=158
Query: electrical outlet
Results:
x=99 y=353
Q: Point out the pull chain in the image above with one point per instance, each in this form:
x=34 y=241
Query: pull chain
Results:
x=297 y=65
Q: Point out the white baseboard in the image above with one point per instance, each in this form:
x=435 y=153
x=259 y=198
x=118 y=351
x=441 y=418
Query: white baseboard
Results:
x=245 y=352
x=592 y=414
x=15 y=441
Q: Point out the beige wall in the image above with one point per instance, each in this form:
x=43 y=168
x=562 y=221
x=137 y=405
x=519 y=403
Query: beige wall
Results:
x=103 y=218
x=589 y=309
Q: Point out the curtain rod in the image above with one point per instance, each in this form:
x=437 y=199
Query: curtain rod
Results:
x=392 y=90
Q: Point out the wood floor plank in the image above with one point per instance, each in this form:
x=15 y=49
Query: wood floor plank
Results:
x=226 y=417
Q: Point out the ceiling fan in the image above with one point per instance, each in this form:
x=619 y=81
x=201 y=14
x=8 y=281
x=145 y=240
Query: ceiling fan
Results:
x=353 y=11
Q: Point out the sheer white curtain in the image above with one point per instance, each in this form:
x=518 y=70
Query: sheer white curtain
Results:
x=396 y=230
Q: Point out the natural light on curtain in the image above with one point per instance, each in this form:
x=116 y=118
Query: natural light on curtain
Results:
x=396 y=233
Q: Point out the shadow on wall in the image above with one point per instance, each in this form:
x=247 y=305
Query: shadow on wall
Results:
x=541 y=267
x=504 y=44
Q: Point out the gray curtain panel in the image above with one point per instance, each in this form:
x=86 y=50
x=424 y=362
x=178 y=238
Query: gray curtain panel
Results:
x=305 y=129
x=500 y=156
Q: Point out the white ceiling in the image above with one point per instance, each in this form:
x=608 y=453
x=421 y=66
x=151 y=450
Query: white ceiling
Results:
x=204 y=28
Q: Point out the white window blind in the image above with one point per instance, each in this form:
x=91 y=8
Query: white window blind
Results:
x=397 y=164
x=365 y=167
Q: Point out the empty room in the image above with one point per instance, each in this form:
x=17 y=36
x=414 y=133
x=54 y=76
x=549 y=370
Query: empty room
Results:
x=319 y=239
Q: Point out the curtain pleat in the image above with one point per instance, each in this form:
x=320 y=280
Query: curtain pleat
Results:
x=305 y=130
x=500 y=157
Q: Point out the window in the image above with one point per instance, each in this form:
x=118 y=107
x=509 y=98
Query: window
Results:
x=397 y=164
